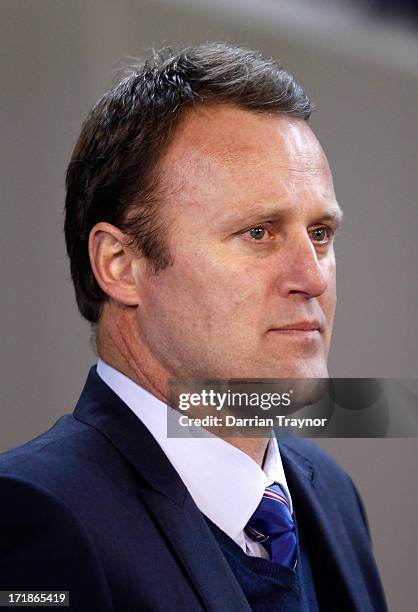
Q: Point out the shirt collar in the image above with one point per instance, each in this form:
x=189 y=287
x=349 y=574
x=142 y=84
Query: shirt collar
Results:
x=225 y=483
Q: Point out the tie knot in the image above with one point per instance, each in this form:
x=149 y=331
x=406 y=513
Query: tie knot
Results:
x=272 y=526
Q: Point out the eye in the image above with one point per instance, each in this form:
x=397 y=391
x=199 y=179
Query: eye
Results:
x=321 y=235
x=258 y=233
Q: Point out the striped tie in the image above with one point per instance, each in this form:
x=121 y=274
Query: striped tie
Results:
x=272 y=526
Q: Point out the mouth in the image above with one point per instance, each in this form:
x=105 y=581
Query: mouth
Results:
x=300 y=329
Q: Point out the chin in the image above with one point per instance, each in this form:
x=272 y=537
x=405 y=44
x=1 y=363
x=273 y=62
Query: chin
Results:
x=248 y=367
x=297 y=369
x=310 y=372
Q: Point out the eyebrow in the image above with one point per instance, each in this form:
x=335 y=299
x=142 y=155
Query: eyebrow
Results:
x=335 y=214
x=262 y=214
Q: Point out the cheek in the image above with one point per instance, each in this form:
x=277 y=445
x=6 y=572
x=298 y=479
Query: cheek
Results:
x=227 y=299
x=328 y=299
x=210 y=294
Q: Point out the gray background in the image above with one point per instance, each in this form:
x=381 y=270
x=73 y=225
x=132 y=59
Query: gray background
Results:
x=57 y=57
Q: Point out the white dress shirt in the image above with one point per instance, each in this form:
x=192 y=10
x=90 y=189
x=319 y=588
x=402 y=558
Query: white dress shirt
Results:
x=224 y=482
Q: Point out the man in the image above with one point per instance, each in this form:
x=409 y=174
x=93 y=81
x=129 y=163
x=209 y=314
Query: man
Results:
x=200 y=218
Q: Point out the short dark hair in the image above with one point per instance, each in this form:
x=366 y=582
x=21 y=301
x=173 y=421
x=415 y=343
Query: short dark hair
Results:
x=112 y=171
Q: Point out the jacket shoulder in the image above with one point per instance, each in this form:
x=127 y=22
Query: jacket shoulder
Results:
x=58 y=441
x=67 y=461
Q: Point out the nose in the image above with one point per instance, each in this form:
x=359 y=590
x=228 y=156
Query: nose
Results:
x=301 y=270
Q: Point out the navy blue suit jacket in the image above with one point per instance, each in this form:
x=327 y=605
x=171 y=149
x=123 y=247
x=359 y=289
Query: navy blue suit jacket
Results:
x=93 y=506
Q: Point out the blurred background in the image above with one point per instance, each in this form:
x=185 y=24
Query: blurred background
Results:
x=358 y=60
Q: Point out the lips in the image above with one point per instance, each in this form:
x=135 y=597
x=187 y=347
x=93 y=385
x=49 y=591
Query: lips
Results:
x=301 y=326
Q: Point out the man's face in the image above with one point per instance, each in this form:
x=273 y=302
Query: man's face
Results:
x=250 y=216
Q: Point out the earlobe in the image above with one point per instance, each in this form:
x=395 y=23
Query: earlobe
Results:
x=112 y=260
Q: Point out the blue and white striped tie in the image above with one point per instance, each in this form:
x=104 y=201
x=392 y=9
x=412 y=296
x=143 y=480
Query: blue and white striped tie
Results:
x=272 y=526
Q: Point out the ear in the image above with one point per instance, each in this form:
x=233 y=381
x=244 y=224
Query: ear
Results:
x=113 y=262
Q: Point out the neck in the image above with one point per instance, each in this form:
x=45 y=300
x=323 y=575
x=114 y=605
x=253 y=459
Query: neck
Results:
x=120 y=344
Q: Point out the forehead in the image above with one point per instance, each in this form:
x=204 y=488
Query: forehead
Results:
x=224 y=150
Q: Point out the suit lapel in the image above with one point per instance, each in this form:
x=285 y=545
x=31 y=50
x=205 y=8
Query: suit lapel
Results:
x=198 y=552
x=166 y=497
x=330 y=549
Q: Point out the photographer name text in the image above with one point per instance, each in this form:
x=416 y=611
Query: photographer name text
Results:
x=232 y=421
